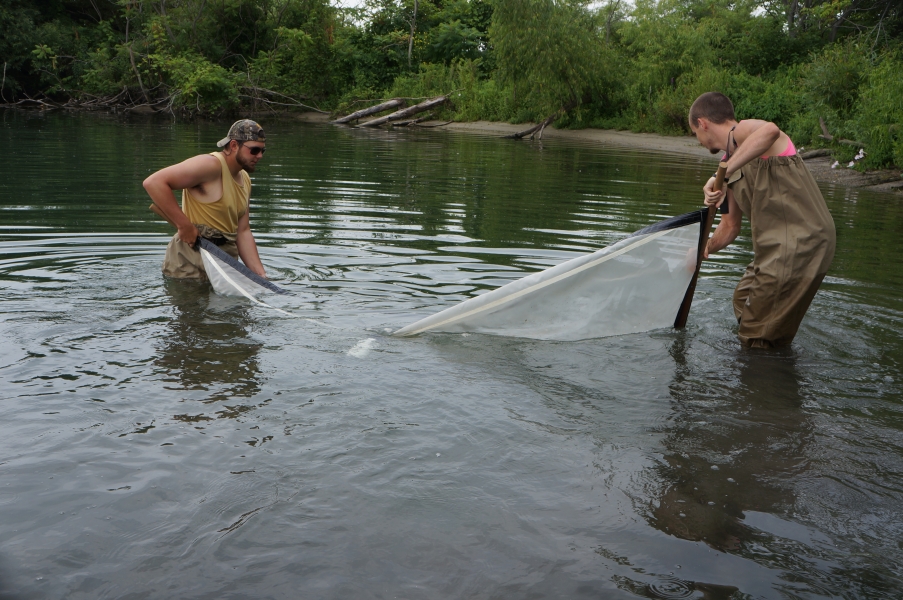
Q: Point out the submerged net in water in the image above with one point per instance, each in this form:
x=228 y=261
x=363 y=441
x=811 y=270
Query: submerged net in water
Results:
x=231 y=278
x=634 y=285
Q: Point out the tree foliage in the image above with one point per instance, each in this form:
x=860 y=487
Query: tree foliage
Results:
x=612 y=63
x=549 y=51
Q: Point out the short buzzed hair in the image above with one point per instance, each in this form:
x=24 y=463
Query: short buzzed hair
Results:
x=714 y=106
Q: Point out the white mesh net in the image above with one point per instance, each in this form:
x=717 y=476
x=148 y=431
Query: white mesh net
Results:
x=231 y=278
x=634 y=285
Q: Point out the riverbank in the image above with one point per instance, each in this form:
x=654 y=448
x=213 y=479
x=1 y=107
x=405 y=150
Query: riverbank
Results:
x=885 y=180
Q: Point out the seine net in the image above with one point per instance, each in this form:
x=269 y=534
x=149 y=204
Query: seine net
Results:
x=231 y=278
x=634 y=285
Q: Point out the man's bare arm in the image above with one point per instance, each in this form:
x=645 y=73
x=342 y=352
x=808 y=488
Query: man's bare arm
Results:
x=247 y=245
x=755 y=138
x=190 y=173
x=728 y=229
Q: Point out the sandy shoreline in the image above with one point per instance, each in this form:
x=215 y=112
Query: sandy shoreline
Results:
x=889 y=180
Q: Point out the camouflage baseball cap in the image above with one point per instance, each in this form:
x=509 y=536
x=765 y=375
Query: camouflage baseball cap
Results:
x=244 y=130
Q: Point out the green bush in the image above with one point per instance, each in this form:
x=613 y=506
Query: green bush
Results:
x=878 y=119
x=831 y=80
x=199 y=85
x=472 y=97
x=672 y=106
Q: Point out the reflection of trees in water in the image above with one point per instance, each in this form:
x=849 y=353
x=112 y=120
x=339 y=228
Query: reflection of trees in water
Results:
x=202 y=354
x=733 y=453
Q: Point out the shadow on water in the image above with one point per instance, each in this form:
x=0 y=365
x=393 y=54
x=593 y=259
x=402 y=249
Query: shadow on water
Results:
x=727 y=463
x=730 y=454
x=208 y=349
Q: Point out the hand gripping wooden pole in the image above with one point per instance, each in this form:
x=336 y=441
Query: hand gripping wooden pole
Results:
x=681 y=320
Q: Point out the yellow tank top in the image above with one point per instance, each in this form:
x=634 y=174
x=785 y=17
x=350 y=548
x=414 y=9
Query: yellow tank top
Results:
x=225 y=212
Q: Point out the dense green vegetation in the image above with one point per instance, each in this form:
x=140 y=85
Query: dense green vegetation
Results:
x=611 y=64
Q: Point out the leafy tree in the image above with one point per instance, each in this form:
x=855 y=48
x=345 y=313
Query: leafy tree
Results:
x=613 y=63
x=550 y=52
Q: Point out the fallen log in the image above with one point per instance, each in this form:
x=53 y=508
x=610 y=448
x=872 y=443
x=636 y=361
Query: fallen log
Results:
x=407 y=112
x=815 y=153
x=411 y=121
x=434 y=125
x=394 y=103
x=540 y=127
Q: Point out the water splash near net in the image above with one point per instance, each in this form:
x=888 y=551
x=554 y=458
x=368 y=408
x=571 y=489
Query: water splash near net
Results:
x=634 y=285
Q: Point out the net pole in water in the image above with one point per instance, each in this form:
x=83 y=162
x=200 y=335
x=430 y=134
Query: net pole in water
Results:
x=681 y=320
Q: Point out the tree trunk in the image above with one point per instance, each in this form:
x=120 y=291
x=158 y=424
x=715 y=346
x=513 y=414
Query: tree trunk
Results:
x=411 y=38
x=394 y=103
x=791 y=16
x=407 y=112
x=138 y=75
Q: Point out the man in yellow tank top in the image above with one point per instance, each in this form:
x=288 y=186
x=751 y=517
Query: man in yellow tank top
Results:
x=216 y=190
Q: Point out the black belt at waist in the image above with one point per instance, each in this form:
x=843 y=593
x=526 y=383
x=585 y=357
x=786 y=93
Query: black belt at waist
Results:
x=217 y=241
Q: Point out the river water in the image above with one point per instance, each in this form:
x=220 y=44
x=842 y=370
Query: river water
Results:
x=158 y=441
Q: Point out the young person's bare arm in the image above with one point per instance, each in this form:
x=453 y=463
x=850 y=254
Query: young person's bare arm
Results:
x=191 y=173
x=755 y=138
x=247 y=245
x=728 y=228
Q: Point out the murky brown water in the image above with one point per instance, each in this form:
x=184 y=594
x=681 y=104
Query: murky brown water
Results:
x=157 y=441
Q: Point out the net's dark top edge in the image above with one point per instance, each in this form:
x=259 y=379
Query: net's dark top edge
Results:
x=672 y=223
x=215 y=251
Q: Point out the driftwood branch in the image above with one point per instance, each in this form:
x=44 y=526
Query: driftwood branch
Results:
x=824 y=130
x=815 y=153
x=411 y=121
x=540 y=127
x=366 y=112
x=827 y=136
x=407 y=112
x=434 y=125
x=255 y=95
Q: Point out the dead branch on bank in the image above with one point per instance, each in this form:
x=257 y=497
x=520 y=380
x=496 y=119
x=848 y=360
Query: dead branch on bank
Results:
x=254 y=93
x=532 y=131
x=827 y=136
x=84 y=101
x=366 y=112
x=410 y=122
x=160 y=98
x=407 y=112
x=818 y=152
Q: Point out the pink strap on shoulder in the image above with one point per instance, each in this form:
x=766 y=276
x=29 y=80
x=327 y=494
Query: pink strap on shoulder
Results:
x=790 y=150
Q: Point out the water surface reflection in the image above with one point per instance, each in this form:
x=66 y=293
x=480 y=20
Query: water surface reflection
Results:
x=206 y=347
x=730 y=451
x=160 y=441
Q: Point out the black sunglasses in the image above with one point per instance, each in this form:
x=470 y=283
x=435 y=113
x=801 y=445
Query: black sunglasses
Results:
x=254 y=150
